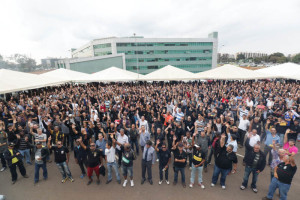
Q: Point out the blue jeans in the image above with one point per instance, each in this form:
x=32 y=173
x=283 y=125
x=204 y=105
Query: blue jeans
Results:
x=193 y=174
x=37 y=171
x=217 y=171
x=127 y=170
x=109 y=169
x=26 y=153
x=176 y=170
x=248 y=171
x=283 y=189
x=136 y=144
x=64 y=170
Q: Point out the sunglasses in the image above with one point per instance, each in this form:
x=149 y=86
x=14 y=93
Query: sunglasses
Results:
x=163 y=147
x=59 y=144
x=92 y=145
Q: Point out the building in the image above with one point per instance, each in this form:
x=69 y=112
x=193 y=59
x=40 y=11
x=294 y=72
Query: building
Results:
x=49 y=63
x=251 y=54
x=144 y=55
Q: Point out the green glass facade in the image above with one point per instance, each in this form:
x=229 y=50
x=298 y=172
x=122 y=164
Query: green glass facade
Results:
x=191 y=56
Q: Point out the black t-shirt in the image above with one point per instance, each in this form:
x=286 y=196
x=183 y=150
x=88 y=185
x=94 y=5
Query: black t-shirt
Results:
x=60 y=154
x=294 y=135
x=224 y=160
x=178 y=155
x=164 y=157
x=286 y=172
x=198 y=156
x=93 y=157
x=128 y=157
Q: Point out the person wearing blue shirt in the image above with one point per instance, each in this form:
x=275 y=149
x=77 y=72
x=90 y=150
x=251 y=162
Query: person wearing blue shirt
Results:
x=270 y=136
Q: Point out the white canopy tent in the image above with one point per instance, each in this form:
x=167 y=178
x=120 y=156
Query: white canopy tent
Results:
x=231 y=72
x=169 y=73
x=13 y=81
x=285 y=70
x=113 y=74
x=67 y=75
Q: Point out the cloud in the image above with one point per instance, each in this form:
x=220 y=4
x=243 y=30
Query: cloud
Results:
x=51 y=28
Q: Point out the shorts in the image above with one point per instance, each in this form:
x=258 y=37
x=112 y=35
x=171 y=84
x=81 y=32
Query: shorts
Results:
x=126 y=170
x=91 y=169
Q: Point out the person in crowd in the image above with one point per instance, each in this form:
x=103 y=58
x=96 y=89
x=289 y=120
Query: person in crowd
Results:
x=255 y=161
x=198 y=160
x=14 y=159
x=133 y=138
x=148 y=160
x=41 y=154
x=164 y=161
x=180 y=158
x=277 y=155
x=61 y=157
x=283 y=177
x=289 y=144
x=121 y=140
x=3 y=145
x=110 y=152
x=80 y=157
x=270 y=137
x=24 y=146
x=127 y=163
x=144 y=137
x=243 y=125
x=94 y=161
x=225 y=160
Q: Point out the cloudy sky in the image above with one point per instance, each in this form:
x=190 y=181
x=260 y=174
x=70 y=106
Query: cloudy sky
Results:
x=49 y=28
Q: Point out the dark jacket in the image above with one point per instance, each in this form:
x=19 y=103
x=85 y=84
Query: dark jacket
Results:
x=249 y=157
x=80 y=154
x=9 y=157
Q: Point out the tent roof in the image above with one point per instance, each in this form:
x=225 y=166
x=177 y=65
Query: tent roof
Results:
x=114 y=74
x=285 y=70
x=67 y=75
x=13 y=81
x=231 y=72
x=169 y=73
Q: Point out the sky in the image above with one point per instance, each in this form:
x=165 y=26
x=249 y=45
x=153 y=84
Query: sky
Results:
x=50 y=28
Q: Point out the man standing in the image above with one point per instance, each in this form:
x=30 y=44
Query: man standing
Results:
x=110 y=152
x=3 y=146
x=94 y=160
x=198 y=161
x=61 y=157
x=270 y=136
x=14 y=159
x=147 y=162
x=255 y=162
x=225 y=158
x=144 y=137
x=283 y=176
x=164 y=161
x=41 y=154
x=133 y=138
x=121 y=140
x=179 y=162
x=80 y=158
x=127 y=163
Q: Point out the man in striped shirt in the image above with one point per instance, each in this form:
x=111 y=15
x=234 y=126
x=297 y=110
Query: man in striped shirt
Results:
x=179 y=115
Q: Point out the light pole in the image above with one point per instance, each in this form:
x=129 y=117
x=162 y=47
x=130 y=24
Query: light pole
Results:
x=136 y=54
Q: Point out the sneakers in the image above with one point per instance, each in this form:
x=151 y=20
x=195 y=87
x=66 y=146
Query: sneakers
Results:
x=212 y=185
x=168 y=183
x=190 y=168
x=2 y=169
x=26 y=176
x=254 y=190
x=71 y=179
x=157 y=160
x=223 y=187
x=82 y=176
x=89 y=183
x=63 y=180
x=108 y=181
x=143 y=181
x=160 y=182
x=183 y=185
x=242 y=187
x=151 y=182
x=13 y=182
x=125 y=183
x=119 y=181
x=131 y=183
x=191 y=185
x=201 y=185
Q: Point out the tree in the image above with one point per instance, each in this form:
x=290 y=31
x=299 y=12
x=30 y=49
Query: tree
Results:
x=296 y=58
x=277 y=58
x=26 y=64
x=257 y=60
x=240 y=57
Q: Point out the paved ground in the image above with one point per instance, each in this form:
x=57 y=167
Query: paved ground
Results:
x=54 y=189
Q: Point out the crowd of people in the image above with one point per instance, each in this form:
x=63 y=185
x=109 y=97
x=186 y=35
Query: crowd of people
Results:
x=107 y=126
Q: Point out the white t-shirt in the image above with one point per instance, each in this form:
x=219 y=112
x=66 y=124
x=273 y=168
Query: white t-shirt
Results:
x=110 y=154
x=233 y=143
x=254 y=139
x=121 y=139
x=244 y=124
